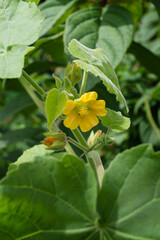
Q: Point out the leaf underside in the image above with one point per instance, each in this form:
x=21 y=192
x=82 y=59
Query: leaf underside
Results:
x=95 y=61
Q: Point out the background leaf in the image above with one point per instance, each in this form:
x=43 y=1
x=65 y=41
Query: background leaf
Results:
x=115 y=121
x=147 y=134
x=110 y=30
x=157 y=5
x=148 y=27
x=55 y=103
x=13 y=136
x=146 y=58
x=20 y=27
x=15 y=105
x=53 y=11
x=134 y=6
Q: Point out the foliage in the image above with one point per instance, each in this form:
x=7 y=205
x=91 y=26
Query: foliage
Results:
x=16 y=33
x=48 y=181
x=62 y=191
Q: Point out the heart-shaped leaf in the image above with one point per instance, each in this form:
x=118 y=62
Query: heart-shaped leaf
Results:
x=55 y=103
x=20 y=27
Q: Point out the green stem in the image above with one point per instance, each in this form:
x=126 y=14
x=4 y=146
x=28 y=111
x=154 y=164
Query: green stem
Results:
x=95 y=162
x=149 y=113
x=69 y=149
x=80 y=137
x=93 y=146
x=108 y=131
x=71 y=140
x=83 y=85
x=34 y=84
x=31 y=93
x=151 y=119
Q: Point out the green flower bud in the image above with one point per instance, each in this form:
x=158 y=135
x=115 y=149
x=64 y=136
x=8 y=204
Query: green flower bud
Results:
x=55 y=140
x=94 y=137
x=74 y=73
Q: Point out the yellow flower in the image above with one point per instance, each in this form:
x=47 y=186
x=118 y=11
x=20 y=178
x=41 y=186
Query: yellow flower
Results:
x=84 y=111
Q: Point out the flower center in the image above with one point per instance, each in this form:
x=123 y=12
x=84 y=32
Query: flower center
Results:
x=82 y=108
x=83 y=111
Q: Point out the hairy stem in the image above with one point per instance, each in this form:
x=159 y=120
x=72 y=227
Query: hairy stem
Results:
x=149 y=113
x=96 y=163
x=151 y=119
x=31 y=93
x=80 y=137
x=69 y=149
x=41 y=92
x=77 y=144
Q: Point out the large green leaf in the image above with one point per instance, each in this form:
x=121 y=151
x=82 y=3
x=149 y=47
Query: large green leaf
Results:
x=130 y=197
x=30 y=154
x=55 y=103
x=18 y=135
x=95 y=61
x=20 y=27
x=53 y=11
x=54 y=197
x=111 y=29
x=116 y=121
x=49 y=198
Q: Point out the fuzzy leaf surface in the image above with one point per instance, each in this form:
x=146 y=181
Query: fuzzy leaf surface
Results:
x=52 y=198
x=55 y=103
x=116 y=121
x=55 y=197
x=20 y=27
x=95 y=61
x=130 y=196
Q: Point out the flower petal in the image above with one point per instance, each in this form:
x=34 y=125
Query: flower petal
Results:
x=71 y=121
x=88 y=121
x=90 y=96
x=70 y=104
x=98 y=108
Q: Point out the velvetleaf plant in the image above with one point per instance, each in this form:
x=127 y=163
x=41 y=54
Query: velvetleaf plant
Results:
x=51 y=193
